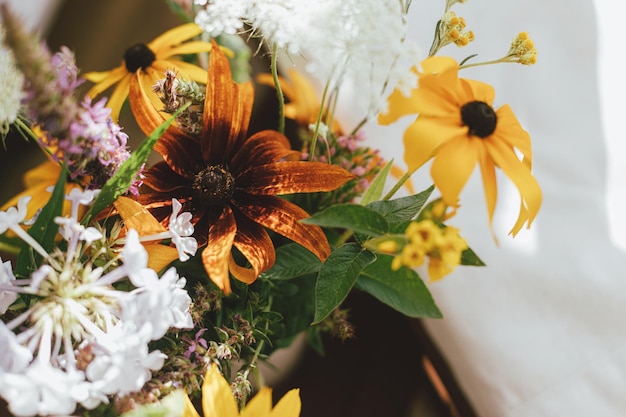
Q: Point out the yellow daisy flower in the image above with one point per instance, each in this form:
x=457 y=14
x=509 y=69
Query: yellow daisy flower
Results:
x=458 y=128
x=218 y=400
x=148 y=62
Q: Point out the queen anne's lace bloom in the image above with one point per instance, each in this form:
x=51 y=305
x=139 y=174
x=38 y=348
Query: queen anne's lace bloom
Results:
x=355 y=42
x=11 y=82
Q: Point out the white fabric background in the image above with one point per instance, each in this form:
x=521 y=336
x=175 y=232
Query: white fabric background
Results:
x=541 y=330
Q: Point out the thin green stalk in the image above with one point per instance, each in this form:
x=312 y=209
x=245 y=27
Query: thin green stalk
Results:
x=317 y=124
x=279 y=91
x=398 y=185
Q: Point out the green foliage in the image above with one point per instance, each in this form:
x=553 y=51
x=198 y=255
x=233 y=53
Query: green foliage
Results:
x=350 y=216
x=337 y=277
x=43 y=230
x=402 y=209
x=375 y=190
x=403 y=289
x=127 y=172
x=292 y=261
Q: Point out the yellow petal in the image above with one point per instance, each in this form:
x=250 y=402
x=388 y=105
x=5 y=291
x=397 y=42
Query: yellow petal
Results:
x=518 y=172
x=453 y=166
x=104 y=82
x=48 y=172
x=510 y=131
x=189 y=71
x=289 y=405
x=135 y=216
x=479 y=91
x=190 y=410
x=217 y=396
x=160 y=256
x=192 y=47
x=260 y=405
x=117 y=99
x=488 y=174
x=174 y=36
x=424 y=136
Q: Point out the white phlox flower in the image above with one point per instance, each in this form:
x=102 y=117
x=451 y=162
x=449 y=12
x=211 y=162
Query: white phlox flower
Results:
x=122 y=362
x=82 y=339
x=7 y=297
x=181 y=229
x=163 y=304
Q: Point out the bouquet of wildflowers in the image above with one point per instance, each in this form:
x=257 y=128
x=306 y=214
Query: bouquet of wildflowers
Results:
x=139 y=288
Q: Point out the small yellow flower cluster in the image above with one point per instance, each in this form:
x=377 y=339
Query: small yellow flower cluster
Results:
x=453 y=30
x=523 y=48
x=425 y=238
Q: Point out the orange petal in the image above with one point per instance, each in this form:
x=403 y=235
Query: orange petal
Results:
x=227 y=109
x=217 y=251
x=256 y=246
x=261 y=148
x=283 y=217
x=292 y=177
x=160 y=177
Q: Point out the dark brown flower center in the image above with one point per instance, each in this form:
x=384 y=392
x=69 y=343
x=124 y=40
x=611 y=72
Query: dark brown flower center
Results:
x=213 y=185
x=480 y=118
x=138 y=56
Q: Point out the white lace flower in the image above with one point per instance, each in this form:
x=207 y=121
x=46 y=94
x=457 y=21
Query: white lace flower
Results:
x=11 y=83
x=356 y=44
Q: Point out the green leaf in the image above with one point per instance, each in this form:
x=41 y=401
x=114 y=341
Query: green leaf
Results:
x=43 y=230
x=292 y=260
x=402 y=290
x=358 y=218
x=375 y=190
x=123 y=178
x=468 y=257
x=337 y=277
x=402 y=209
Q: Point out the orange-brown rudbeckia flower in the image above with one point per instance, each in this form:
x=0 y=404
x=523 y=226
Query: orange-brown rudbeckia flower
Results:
x=146 y=63
x=230 y=182
x=458 y=127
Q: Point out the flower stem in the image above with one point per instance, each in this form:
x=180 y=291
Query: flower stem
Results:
x=399 y=184
x=279 y=91
x=317 y=124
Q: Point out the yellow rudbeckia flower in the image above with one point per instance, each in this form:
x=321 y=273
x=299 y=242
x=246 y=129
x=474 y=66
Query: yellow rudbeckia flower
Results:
x=148 y=62
x=458 y=128
x=218 y=400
